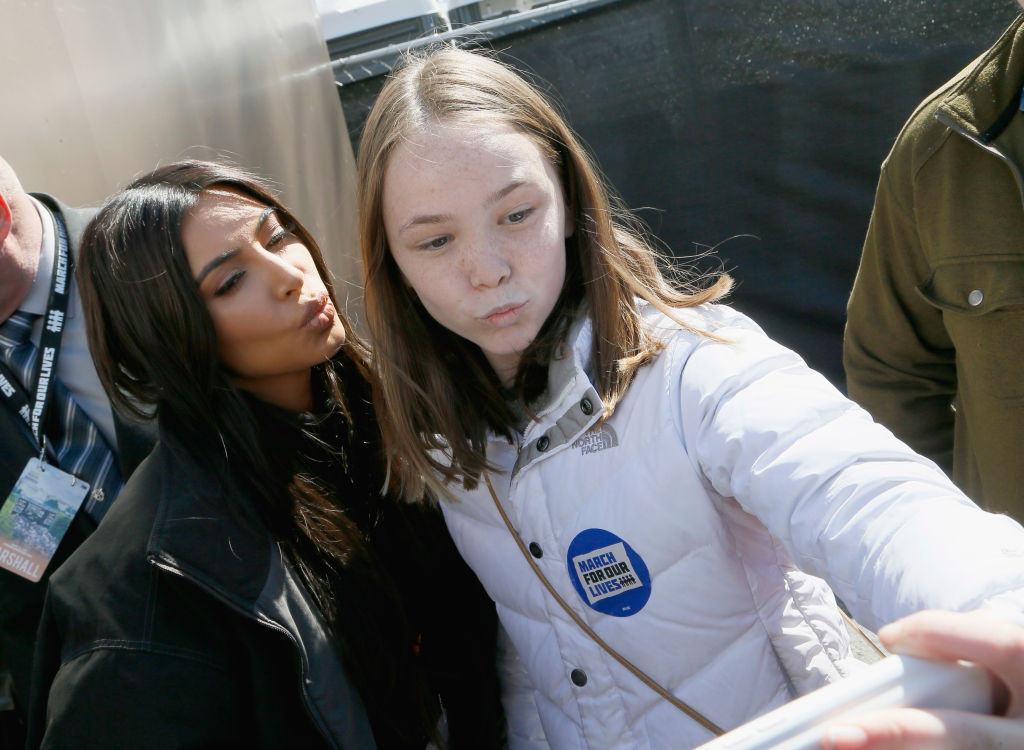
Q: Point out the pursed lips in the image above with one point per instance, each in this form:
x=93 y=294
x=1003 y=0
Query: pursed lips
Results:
x=497 y=312
x=314 y=306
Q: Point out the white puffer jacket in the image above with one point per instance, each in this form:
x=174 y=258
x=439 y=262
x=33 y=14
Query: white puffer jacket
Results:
x=679 y=530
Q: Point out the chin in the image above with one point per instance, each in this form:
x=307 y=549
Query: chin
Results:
x=333 y=342
x=335 y=345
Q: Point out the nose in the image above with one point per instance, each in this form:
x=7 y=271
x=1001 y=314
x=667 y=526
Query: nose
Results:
x=284 y=277
x=487 y=265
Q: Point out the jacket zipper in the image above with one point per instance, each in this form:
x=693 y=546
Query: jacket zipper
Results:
x=168 y=567
x=950 y=123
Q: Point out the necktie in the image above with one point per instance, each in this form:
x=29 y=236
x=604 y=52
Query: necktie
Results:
x=80 y=448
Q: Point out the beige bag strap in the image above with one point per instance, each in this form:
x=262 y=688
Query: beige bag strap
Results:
x=692 y=713
x=858 y=629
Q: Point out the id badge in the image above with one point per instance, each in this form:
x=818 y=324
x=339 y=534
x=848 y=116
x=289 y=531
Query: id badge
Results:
x=35 y=517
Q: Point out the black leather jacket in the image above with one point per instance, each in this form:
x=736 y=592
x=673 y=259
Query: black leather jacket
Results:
x=180 y=624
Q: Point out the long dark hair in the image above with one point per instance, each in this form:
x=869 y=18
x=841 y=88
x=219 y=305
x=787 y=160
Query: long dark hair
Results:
x=155 y=349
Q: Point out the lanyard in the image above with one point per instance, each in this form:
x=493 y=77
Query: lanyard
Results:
x=34 y=411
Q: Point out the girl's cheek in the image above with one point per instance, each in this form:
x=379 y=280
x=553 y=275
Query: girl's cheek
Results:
x=433 y=278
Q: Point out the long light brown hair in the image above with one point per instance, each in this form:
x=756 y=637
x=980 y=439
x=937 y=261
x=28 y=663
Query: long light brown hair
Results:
x=435 y=389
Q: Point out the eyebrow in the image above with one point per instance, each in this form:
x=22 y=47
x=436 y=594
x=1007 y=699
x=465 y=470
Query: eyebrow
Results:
x=229 y=254
x=499 y=194
x=493 y=198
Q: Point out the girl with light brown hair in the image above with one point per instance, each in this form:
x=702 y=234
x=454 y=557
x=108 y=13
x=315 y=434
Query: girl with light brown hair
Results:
x=650 y=488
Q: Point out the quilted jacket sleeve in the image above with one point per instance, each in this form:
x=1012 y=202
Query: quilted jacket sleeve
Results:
x=851 y=503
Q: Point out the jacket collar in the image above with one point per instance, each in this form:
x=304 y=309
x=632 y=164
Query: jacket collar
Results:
x=570 y=404
x=205 y=530
x=570 y=369
x=75 y=219
x=207 y=525
x=987 y=95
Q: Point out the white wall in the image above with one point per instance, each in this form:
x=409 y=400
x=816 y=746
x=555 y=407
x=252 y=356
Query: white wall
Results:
x=93 y=93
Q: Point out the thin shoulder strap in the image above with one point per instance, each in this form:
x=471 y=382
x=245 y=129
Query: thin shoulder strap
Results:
x=686 y=709
x=855 y=626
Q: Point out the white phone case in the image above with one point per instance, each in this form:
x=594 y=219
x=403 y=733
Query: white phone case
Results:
x=895 y=681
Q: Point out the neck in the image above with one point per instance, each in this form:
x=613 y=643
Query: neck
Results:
x=292 y=391
x=505 y=366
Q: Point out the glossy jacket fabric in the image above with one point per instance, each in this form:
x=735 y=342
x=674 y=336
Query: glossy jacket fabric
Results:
x=175 y=626
x=934 y=344
x=679 y=529
x=180 y=624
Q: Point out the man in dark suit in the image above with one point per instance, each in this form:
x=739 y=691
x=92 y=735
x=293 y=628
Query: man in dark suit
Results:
x=39 y=239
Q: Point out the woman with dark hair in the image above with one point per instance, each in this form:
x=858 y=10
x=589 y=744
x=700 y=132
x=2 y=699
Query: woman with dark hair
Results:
x=254 y=585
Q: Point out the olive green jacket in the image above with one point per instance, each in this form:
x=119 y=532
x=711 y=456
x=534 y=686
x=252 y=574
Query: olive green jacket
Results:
x=934 y=344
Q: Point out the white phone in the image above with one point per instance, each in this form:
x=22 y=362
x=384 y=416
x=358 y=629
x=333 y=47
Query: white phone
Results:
x=895 y=681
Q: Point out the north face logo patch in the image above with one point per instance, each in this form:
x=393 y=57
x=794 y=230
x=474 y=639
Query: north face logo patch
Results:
x=596 y=440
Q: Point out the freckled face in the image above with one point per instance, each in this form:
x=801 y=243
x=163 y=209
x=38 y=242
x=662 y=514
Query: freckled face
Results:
x=272 y=313
x=476 y=221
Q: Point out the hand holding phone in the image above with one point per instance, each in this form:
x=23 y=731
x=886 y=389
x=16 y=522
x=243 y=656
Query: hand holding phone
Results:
x=928 y=697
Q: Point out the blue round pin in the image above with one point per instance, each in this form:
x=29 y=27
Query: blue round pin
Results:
x=607 y=573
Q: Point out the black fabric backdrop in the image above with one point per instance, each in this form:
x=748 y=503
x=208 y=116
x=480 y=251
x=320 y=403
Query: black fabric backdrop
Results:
x=753 y=128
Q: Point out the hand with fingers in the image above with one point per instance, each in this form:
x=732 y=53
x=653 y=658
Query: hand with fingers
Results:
x=980 y=637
